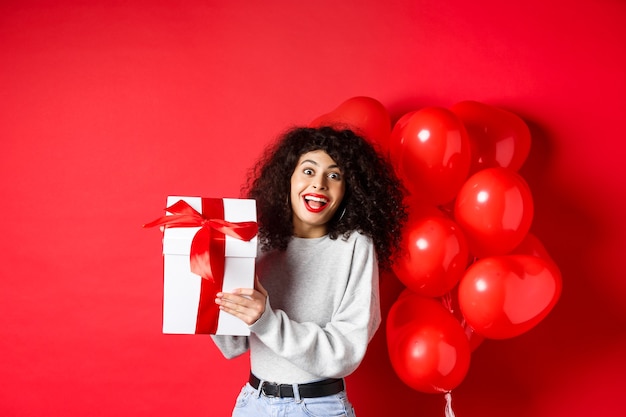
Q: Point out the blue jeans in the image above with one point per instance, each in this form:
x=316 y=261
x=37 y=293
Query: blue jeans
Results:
x=252 y=402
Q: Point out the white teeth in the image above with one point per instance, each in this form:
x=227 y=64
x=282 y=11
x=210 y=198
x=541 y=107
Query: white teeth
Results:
x=318 y=199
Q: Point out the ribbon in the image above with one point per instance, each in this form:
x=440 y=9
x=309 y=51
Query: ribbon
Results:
x=449 y=412
x=208 y=248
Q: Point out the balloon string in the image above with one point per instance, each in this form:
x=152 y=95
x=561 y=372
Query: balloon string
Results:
x=449 y=411
x=446 y=300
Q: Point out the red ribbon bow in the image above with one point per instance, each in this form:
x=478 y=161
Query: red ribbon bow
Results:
x=210 y=238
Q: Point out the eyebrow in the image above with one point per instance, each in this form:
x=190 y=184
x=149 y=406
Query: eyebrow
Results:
x=316 y=164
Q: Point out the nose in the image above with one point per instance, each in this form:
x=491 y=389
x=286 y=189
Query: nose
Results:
x=319 y=183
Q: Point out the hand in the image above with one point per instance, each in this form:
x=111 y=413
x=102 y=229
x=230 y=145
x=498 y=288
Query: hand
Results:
x=245 y=303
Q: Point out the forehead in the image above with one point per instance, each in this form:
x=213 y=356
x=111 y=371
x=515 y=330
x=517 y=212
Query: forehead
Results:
x=319 y=158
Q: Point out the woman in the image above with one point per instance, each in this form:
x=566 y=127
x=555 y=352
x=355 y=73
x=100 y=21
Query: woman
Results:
x=330 y=213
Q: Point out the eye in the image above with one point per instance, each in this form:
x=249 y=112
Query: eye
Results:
x=308 y=171
x=334 y=176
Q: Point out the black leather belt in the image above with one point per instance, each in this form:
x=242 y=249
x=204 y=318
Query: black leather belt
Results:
x=311 y=390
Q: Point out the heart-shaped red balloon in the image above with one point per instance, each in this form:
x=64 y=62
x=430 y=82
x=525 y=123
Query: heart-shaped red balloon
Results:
x=504 y=296
x=366 y=116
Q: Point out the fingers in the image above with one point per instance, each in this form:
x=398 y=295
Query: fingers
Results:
x=245 y=303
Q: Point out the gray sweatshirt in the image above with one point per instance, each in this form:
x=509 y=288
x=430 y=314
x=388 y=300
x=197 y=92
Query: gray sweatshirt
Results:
x=322 y=310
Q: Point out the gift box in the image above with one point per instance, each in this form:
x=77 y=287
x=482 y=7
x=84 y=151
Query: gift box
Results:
x=209 y=245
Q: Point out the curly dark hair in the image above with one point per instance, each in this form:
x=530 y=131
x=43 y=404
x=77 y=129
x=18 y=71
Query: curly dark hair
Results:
x=373 y=199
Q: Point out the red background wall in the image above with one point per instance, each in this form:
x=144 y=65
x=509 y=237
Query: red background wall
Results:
x=107 y=107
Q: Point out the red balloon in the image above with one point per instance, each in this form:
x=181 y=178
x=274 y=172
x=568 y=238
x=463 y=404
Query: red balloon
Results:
x=434 y=154
x=365 y=116
x=494 y=208
x=427 y=347
x=433 y=255
x=504 y=296
x=498 y=137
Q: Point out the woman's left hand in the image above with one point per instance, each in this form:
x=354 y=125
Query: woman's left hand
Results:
x=248 y=304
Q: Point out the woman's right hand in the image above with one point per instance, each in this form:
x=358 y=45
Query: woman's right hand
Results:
x=247 y=304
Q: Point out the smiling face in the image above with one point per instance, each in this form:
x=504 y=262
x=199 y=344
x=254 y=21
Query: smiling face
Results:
x=317 y=189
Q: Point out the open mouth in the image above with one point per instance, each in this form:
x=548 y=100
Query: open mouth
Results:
x=315 y=202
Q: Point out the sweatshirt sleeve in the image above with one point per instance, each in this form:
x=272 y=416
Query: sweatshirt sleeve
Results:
x=231 y=346
x=337 y=348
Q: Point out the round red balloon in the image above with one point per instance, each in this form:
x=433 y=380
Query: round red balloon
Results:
x=433 y=255
x=365 y=116
x=428 y=349
x=494 y=208
x=504 y=296
x=434 y=154
x=498 y=137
